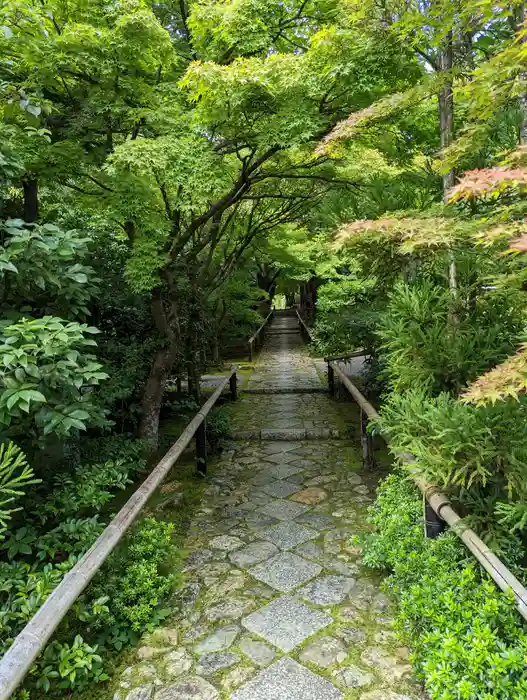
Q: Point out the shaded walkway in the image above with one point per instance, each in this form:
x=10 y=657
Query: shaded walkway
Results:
x=277 y=604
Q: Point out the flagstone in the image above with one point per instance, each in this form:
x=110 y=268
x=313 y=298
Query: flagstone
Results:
x=286 y=622
x=288 y=680
x=285 y=571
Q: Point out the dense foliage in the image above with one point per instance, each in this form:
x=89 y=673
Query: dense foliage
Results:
x=467 y=638
x=166 y=169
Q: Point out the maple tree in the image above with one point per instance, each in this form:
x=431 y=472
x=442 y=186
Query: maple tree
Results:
x=166 y=168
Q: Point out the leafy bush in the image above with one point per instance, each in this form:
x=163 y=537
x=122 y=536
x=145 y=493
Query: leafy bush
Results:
x=430 y=341
x=468 y=640
x=70 y=666
x=346 y=316
x=42 y=269
x=135 y=582
x=87 y=487
x=113 y=612
x=125 y=599
x=15 y=473
x=477 y=453
x=218 y=426
x=47 y=377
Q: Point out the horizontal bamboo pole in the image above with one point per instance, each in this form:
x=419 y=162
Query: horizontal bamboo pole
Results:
x=366 y=406
x=267 y=319
x=19 y=658
x=440 y=503
x=486 y=557
x=347 y=356
x=303 y=323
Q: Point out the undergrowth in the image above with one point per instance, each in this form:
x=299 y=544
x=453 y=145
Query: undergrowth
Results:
x=468 y=641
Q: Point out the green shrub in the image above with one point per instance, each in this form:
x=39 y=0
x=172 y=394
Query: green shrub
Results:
x=135 y=582
x=88 y=488
x=468 y=640
x=435 y=343
x=15 y=473
x=477 y=453
x=218 y=427
x=125 y=599
x=346 y=316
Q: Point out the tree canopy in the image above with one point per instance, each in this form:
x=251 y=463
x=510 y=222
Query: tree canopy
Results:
x=168 y=168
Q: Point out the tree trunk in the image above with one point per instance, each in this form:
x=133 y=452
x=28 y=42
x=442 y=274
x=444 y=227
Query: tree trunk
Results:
x=153 y=398
x=193 y=345
x=519 y=18
x=215 y=351
x=30 y=200
x=164 y=358
x=446 y=107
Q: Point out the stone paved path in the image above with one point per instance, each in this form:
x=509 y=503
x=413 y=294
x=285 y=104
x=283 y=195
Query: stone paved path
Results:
x=277 y=604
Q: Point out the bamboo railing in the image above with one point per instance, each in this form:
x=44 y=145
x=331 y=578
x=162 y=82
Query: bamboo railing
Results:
x=255 y=342
x=304 y=328
x=19 y=658
x=441 y=506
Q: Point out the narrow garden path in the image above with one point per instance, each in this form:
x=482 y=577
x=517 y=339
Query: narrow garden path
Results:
x=277 y=605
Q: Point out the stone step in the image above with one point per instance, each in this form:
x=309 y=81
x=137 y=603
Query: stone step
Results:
x=288 y=435
x=284 y=390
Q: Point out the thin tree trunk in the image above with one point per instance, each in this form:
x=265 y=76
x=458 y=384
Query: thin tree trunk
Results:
x=163 y=361
x=446 y=107
x=152 y=401
x=215 y=351
x=519 y=18
x=193 y=346
x=30 y=200
x=446 y=130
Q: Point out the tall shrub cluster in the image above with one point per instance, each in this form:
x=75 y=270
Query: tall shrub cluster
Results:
x=427 y=274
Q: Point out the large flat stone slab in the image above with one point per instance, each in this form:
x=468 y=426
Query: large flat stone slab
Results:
x=328 y=590
x=286 y=622
x=282 y=471
x=253 y=554
x=319 y=522
x=285 y=571
x=262 y=479
x=193 y=688
x=287 y=680
x=281 y=457
x=288 y=534
x=279 y=488
x=283 y=510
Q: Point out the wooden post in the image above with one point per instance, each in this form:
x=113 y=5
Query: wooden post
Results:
x=368 y=458
x=331 y=379
x=434 y=525
x=178 y=384
x=201 y=448
x=233 y=383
